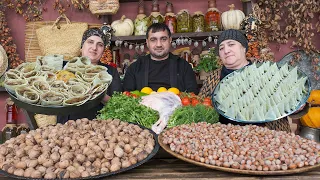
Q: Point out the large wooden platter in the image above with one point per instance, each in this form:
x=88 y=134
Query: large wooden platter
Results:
x=239 y=171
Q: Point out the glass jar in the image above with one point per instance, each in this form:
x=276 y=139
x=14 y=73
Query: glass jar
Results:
x=198 y=22
x=155 y=16
x=22 y=129
x=141 y=21
x=184 y=21
x=9 y=131
x=170 y=19
x=212 y=17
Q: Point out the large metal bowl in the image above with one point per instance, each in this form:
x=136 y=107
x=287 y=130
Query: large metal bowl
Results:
x=299 y=105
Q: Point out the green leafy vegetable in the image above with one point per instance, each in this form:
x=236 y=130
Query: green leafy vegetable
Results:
x=208 y=62
x=128 y=109
x=190 y=114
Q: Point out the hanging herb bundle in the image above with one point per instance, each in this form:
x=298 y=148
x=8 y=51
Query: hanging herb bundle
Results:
x=282 y=20
x=32 y=10
x=6 y=41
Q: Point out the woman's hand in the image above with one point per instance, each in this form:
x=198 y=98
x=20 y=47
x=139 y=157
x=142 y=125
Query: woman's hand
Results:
x=105 y=99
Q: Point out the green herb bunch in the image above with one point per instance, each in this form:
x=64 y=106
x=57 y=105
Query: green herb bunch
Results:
x=128 y=109
x=208 y=62
x=193 y=114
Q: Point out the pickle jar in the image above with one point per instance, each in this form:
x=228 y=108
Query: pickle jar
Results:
x=155 y=16
x=198 y=22
x=170 y=19
x=184 y=21
x=212 y=17
x=141 y=21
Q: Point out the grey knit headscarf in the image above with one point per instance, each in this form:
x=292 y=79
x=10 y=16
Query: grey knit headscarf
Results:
x=93 y=32
x=234 y=35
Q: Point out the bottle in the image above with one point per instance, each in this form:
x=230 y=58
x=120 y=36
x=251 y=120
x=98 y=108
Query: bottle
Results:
x=155 y=16
x=170 y=19
x=10 y=129
x=141 y=21
x=212 y=17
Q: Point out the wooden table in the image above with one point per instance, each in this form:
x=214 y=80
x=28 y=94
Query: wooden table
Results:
x=165 y=167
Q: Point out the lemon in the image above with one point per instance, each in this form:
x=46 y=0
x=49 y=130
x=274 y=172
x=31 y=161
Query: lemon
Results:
x=146 y=90
x=162 y=89
x=174 y=90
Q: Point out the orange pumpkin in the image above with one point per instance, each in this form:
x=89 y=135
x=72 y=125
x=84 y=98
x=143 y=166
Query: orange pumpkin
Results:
x=312 y=118
x=314 y=97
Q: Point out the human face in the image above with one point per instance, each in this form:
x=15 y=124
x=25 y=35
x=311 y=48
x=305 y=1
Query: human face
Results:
x=232 y=54
x=93 y=48
x=159 y=45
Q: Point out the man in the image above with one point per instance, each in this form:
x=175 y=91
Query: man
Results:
x=160 y=68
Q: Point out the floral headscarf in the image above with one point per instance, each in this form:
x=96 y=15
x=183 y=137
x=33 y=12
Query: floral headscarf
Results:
x=93 y=32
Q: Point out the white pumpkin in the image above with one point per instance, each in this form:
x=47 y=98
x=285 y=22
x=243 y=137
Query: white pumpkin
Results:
x=232 y=19
x=123 y=26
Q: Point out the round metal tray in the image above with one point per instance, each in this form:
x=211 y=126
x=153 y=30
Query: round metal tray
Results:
x=153 y=153
x=298 y=106
x=56 y=110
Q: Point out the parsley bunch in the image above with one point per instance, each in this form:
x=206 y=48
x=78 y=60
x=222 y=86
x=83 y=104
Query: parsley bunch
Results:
x=128 y=109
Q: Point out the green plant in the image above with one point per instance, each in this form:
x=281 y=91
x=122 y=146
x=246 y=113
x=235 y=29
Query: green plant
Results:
x=208 y=62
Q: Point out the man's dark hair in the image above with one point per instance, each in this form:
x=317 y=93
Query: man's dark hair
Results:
x=156 y=27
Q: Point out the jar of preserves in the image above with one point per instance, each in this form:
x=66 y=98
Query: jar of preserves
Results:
x=170 y=19
x=212 y=17
x=9 y=131
x=184 y=21
x=198 y=22
x=155 y=16
x=22 y=129
x=141 y=21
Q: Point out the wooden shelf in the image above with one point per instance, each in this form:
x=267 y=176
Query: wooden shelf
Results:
x=124 y=1
x=194 y=35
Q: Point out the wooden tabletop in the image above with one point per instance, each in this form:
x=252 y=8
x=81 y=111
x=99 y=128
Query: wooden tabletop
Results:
x=165 y=167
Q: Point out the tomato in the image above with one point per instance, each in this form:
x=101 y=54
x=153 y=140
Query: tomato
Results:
x=185 y=101
x=206 y=103
x=193 y=94
x=134 y=96
x=207 y=100
x=194 y=102
x=127 y=93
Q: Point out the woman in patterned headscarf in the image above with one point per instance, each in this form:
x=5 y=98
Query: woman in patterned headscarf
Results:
x=92 y=45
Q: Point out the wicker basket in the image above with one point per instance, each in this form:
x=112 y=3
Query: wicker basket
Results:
x=104 y=7
x=45 y=120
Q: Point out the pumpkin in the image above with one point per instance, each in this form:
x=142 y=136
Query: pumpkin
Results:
x=232 y=19
x=312 y=118
x=314 y=97
x=123 y=26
